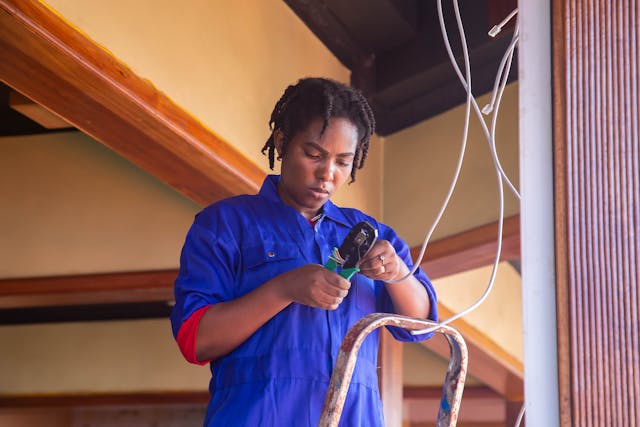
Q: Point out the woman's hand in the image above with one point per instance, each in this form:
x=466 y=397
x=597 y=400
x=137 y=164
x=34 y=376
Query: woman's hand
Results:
x=315 y=286
x=408 y=296
x=382 y=262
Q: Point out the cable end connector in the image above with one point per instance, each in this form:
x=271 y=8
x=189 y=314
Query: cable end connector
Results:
x=495 y=30
x=487 y=109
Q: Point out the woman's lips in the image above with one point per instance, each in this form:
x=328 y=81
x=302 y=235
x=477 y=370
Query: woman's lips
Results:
x=320 y=192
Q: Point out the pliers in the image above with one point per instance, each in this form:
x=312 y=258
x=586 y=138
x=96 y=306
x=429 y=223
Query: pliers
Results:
x=354 y=247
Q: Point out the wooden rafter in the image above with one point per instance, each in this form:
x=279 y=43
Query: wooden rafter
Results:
x=61 y=69
x=471 y=249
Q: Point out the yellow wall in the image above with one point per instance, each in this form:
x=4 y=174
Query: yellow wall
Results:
x=419 y=166
x=421 y=367
x=500 y=316
x=225 y=62
x=72 y=206
x=115 y=356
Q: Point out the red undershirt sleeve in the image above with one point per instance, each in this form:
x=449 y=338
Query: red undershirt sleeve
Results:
x=187 y=336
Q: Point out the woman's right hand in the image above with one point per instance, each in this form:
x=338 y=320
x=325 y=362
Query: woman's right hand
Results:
x=315 y=286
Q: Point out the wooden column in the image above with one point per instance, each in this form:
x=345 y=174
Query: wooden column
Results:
x=596 y=121
x=390 y=378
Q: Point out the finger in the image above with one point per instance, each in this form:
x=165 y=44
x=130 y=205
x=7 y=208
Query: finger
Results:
x=333 y=303
x=340 y=283
x=376 y=267
x=336 y=292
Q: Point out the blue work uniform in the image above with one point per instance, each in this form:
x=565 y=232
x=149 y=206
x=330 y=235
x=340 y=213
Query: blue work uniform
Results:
x=279 y=376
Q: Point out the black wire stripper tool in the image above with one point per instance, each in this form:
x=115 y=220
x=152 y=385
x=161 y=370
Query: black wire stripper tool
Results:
x=354 y=247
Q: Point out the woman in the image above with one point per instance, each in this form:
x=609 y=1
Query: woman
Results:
x=252 y=296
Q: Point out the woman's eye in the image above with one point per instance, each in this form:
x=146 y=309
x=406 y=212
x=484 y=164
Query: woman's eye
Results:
x=313 y=156
x=344 y=164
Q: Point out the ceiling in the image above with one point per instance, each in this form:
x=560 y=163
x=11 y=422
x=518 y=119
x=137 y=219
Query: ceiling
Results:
x=396 y=54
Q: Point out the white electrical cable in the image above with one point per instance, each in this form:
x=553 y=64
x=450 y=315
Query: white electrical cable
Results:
x=475 y=104
x=501 y=74
x=490 y=138
x=500 y=77
x=454 y=181
x=497 y=28
x=520 y=416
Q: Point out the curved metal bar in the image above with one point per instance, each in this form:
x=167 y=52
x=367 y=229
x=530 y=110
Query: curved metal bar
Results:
x=345 y=364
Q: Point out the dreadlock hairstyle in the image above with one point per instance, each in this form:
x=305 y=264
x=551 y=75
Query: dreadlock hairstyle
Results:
x=313 y=98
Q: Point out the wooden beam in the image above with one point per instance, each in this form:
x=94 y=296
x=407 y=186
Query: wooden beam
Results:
x=104 y=399
x=471 y=249
x=143 y=286
x=479 y=403
x=36 y=112
x=390 y=378
x=488 y=362
x=60 y=68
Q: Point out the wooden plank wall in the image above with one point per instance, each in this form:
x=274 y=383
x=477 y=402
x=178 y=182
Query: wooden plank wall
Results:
x=596 y=122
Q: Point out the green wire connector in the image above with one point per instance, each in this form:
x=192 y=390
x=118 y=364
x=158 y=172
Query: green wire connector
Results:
x=335 y=260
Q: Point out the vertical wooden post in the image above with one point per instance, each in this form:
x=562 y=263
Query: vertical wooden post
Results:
x=390 y=378
x=596 y=144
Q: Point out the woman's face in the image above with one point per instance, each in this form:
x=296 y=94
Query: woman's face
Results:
x=315 y=166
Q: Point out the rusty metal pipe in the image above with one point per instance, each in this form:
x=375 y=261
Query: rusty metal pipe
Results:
x=341 y=376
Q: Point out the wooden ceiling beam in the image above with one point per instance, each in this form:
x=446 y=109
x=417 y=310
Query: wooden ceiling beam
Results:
x=58 y=67
x=471 y=249
x=36 y=112
x=109 y=288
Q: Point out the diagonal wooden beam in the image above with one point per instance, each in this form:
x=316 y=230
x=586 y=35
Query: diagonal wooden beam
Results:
x=50 y=62
x=36 y=112
x=471 y=249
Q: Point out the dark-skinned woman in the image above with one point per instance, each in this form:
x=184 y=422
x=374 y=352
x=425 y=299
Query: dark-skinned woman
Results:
x=252 y=296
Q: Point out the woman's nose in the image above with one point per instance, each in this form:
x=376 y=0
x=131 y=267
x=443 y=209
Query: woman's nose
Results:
x=326 y=170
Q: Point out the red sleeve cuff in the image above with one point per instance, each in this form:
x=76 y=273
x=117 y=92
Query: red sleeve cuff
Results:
x=187 y=336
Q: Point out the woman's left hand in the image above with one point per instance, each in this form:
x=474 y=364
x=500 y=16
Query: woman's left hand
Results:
x=382 y=262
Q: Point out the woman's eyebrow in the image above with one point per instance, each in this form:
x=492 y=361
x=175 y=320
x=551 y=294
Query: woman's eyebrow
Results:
x=323 y=151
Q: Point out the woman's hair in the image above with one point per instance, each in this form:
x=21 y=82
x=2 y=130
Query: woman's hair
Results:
x=313 y=98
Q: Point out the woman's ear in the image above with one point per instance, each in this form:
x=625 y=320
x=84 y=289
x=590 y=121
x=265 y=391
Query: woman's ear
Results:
x=278 y=141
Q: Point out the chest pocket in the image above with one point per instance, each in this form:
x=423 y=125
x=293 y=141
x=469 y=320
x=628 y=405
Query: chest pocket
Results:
x=264 y=261
x=365 y=295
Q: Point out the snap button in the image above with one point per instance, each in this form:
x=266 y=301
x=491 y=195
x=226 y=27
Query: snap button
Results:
x=271 y=254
